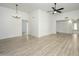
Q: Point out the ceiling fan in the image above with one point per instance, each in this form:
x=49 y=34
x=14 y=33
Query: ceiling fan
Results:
x=55 y=10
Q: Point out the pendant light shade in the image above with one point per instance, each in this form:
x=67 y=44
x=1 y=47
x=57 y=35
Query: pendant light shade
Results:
x=16 y=14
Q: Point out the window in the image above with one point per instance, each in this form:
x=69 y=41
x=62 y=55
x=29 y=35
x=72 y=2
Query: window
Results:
x=75 y=26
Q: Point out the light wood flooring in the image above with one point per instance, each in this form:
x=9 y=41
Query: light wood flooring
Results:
x=52 y=45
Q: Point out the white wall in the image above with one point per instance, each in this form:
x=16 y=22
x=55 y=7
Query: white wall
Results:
x=53 y=23
x=42 y=23
x=47 y=24
x=65 y=27
x=10 y=27
x=33 y=23
x=24 y=26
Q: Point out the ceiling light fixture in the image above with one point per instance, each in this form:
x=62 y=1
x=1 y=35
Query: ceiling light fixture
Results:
x=55 y=12
x=16 y=14
x=69 y=21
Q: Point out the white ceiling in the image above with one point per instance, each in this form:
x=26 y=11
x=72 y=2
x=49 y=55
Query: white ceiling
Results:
x=28 y=7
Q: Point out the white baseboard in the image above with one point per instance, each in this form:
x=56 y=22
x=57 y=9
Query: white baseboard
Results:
x=28 y=34
x=46 y=35
x=1 y=38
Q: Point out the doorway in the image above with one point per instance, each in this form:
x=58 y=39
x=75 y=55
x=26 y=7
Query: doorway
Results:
x=24 y=27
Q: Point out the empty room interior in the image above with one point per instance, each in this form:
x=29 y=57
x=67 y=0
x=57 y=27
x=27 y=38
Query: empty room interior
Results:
x=39 y=29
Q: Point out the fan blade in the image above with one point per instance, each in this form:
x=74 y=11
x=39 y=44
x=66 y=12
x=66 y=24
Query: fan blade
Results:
x=53 y=8
x=60 y=9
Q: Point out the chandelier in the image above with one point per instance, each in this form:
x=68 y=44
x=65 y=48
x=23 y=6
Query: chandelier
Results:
x=16 y=14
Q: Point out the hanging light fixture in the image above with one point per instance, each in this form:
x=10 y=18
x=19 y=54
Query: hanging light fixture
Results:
x=16 y=14
x=55 y=12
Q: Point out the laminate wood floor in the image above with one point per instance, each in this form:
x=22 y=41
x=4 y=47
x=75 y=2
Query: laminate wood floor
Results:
x=52 y=45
